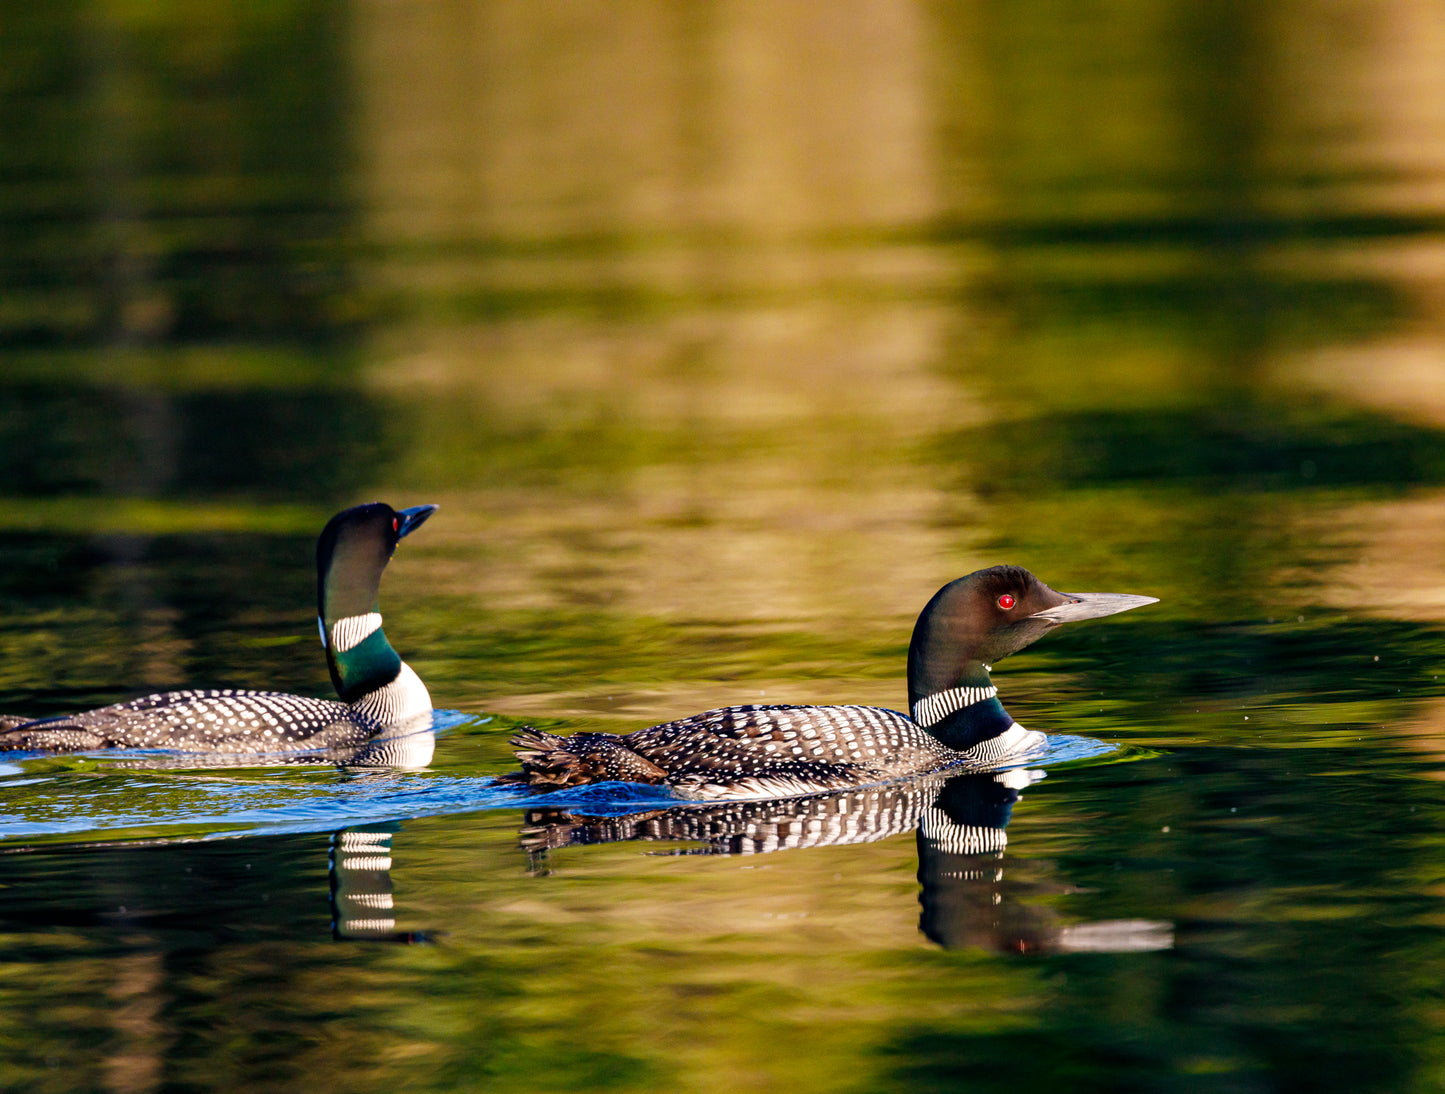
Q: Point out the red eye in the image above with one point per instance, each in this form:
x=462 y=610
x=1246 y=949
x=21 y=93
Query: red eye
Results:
x=395 y=523
x=1006 y=602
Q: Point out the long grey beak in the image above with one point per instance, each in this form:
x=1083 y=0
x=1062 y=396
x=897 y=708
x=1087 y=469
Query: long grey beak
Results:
x=409 y=520
x=1093 y=606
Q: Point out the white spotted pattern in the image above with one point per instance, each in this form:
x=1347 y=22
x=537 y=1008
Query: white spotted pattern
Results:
x=228 y=721
x=761 y=752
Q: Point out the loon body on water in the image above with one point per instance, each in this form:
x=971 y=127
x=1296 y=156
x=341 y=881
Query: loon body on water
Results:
x=782 y=751
x=378 y=690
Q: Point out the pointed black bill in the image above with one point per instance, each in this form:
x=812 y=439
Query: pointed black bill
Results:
x=1092 y=606
x=409 y=520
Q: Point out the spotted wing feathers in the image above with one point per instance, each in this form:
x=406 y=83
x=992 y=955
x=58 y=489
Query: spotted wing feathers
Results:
x=745 y=751
x=225 y=721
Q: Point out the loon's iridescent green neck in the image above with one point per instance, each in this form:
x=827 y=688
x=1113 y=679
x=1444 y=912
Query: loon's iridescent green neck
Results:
x=359 y=669
x=351 y=555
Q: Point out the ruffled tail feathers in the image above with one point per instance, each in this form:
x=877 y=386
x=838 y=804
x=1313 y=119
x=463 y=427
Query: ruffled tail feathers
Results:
x=550 y=762
x=58 y=734
x=545 y=761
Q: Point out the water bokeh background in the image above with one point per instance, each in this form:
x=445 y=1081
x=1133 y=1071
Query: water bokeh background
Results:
x=724 y=334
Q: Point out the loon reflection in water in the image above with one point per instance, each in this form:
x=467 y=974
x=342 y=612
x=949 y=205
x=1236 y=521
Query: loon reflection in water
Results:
x=383 y=702
x=960 y=823
x=363 y=908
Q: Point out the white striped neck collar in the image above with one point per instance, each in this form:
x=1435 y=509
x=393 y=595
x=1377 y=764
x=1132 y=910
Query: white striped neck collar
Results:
x=359 y=656
x=347 y=634
x=403 y=698
x=932 y=709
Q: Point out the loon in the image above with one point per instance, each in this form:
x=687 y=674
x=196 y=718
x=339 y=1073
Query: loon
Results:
x=378 y=690
x=789 y=750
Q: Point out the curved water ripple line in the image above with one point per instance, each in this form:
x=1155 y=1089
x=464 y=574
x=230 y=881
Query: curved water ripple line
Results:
x=198 y=805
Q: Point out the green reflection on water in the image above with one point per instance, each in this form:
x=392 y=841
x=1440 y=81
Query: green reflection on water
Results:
x=724 y=337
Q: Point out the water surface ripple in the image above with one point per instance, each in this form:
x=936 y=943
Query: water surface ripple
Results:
x=125 y=795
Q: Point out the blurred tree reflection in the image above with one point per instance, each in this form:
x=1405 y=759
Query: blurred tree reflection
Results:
x=172 y=170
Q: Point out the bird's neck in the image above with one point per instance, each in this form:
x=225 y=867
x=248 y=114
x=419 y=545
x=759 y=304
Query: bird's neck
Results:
x=967 y=713
x=360 y=658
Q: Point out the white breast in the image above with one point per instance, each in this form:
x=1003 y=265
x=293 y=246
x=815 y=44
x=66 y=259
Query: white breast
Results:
x=405 y=697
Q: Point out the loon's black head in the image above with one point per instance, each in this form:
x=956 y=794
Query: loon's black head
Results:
x=976 y=621
x=351 y=554
x=353 y=550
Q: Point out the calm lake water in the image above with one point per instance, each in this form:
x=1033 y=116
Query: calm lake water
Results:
x=724 y=336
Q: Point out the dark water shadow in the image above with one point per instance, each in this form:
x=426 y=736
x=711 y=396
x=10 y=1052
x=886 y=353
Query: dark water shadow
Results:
x=253 y=890
x=1323 y=660
x=1248 y=444
x=84 y=438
